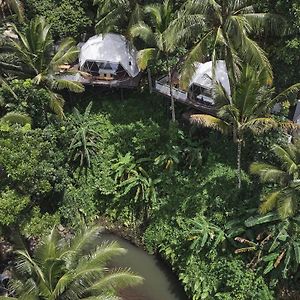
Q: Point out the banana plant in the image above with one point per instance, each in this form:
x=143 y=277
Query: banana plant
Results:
x=169 y=159
x=135 y=185
x=192 y=154
x=273 y=244
x=204 y=234
x=125 y=167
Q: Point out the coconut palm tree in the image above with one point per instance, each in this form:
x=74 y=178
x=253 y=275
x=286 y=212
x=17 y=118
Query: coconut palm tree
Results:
x=228 y=28
x=246 y=109
x=35 y=52
x=285 y=180
x=65 y=269
x=117 y=16
x=9 y=7
x=157 y=38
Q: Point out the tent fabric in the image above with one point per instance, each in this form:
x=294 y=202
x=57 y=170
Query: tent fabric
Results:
x=203 y=75
x=110 y=47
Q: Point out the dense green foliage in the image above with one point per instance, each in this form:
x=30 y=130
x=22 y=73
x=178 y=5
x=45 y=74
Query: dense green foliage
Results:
x=284 y=52
x=226 y=220
x=67 y=17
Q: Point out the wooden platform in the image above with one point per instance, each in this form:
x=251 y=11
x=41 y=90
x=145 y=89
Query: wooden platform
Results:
x=102 y=81
x=183 y=97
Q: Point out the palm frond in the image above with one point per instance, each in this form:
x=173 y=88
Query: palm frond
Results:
x=144 y=32
x=287 y=206
x=286 y=94
x=145 y=56
x=73 y=86
x=266 y=23
x=210 y=122
x=26 y=264
x=118 y=279
x=83 y=242
x=47 y=248
x=251 y=52
x=195 y=55
x=289 y=164
x=261 y=125
x=270 y=202
x=17 y=118
x=92 y=266
x=66 y=53
x=269 y=173
x=57 y=104
x=154 y=10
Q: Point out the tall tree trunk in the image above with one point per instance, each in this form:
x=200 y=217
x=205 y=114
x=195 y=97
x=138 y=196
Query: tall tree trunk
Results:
x=149 y=80
x=239 y=155
x=171 y=95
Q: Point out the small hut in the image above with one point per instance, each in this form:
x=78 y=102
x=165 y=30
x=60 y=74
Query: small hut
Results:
x=200 y=93
x=107 y=60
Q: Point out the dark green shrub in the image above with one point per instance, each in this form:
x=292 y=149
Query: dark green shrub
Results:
x=67 y=17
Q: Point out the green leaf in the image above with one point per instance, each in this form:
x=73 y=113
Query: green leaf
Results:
x=257 y=220
x=270 y=257
x=269 y=267
x=297 y=252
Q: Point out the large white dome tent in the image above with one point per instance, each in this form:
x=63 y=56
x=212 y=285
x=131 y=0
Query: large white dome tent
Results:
x=108 y=54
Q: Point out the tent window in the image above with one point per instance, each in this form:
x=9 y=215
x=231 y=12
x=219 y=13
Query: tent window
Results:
x=201 y=90
x=91 y=67
x=108 y=66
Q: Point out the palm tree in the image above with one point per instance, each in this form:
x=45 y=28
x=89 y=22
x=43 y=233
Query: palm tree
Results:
x=65 y=269
x=12 y=7
x=157 y=38
x=227 y=29
x=285 y=180
x=247 y=109
x=34 y=50
x=117 y=16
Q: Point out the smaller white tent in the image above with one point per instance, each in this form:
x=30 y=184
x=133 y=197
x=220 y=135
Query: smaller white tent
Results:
x=108 y=51
x=296 y=117
x=203 y=75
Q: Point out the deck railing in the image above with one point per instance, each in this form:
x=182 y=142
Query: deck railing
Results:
x=201 y=102
x=165 y=89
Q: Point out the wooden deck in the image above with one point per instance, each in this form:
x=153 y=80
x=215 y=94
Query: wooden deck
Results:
x=203 y=103
x=86 y=79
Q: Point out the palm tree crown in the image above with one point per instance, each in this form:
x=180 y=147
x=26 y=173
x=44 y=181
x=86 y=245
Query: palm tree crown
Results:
x=73 y=269
x=247 y=109
x=227 y=25
x=158 y=37
x=35 y=52
x=285 y=180
x=155 y=34
x=117 y=16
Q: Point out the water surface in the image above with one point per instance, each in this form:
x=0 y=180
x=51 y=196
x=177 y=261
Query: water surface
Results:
x=160 y=283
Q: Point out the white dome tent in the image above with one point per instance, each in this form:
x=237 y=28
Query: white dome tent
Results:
x=203 y=75
x=200 y=94
x=107 y=60
x=107 y=55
